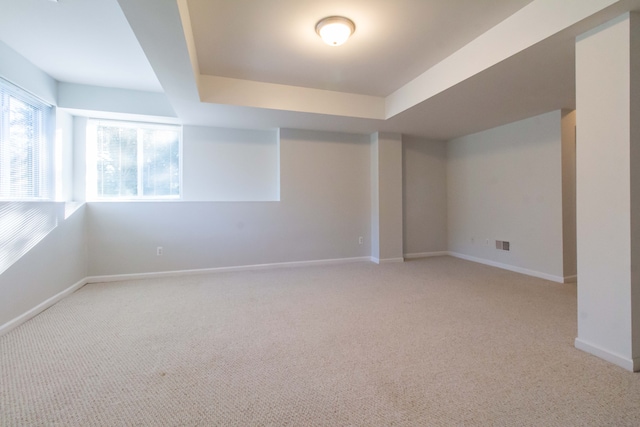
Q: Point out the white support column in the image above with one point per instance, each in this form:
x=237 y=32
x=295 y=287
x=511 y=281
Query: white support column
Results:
x=608 y=191
x=386 y=197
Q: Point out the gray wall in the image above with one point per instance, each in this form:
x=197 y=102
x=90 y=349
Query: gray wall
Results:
x=386 y=197
x=324 y=208
x=425 y=196
x=230 y=164
x=506 y=184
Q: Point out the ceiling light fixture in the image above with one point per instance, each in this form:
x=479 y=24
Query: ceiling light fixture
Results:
x=335 y=30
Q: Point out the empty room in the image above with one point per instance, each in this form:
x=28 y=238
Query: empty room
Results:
x=319 y=213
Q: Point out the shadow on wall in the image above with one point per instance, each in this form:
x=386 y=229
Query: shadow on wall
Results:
x=23 y=225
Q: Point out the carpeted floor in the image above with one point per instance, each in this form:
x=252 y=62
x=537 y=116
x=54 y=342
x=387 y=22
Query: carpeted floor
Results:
x=431 y=342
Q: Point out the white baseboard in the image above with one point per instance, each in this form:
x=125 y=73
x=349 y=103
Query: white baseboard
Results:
x=571 y=279
x=425 y=254
x=135 y=276
x=12 y=324
x=520 y=270
x=632 y=365
x=386 y=260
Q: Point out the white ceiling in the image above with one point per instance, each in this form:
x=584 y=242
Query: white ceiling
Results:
x=79 y=41
x=266 y=48
x=394 y=41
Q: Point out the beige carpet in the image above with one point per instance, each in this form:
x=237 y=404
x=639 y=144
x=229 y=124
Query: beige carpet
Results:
x=428 y=342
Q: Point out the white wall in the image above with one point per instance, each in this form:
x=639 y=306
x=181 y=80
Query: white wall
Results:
x=22 y=73
x=506 y=184
x=324 y=208
x=230 y=164
x=79 y=158
x=608 y=196
x=424 y=195
x=569 y=193
x=54 y=264
x=64 y=156
x=58 y=260
x=106 y=100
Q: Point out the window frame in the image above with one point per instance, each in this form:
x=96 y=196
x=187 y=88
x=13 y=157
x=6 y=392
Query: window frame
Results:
x=92 y=160
x=43 y=174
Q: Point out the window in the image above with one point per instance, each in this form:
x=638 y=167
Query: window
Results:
x=26 y=173
x=133 y=160
x=26 y=169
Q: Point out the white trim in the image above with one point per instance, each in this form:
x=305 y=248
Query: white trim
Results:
x=425 y=254
x=632 y=365
x=571 y=279
x=520 y=270
x=12 y=324
x=388 y=260
x=134 y=276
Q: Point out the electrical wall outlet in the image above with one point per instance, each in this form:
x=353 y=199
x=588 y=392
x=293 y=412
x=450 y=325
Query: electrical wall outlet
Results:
x=360 y=240
x=159 y=251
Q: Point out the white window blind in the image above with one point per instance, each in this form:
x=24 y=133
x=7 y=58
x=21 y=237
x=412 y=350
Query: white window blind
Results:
x=127 y=160
x=26 y=173
x=26 y=168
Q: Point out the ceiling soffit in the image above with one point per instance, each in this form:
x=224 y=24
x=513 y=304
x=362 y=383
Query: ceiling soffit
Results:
x=535 y=22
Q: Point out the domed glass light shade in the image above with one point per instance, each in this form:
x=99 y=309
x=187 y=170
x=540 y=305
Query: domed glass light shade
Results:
x=335 y=30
